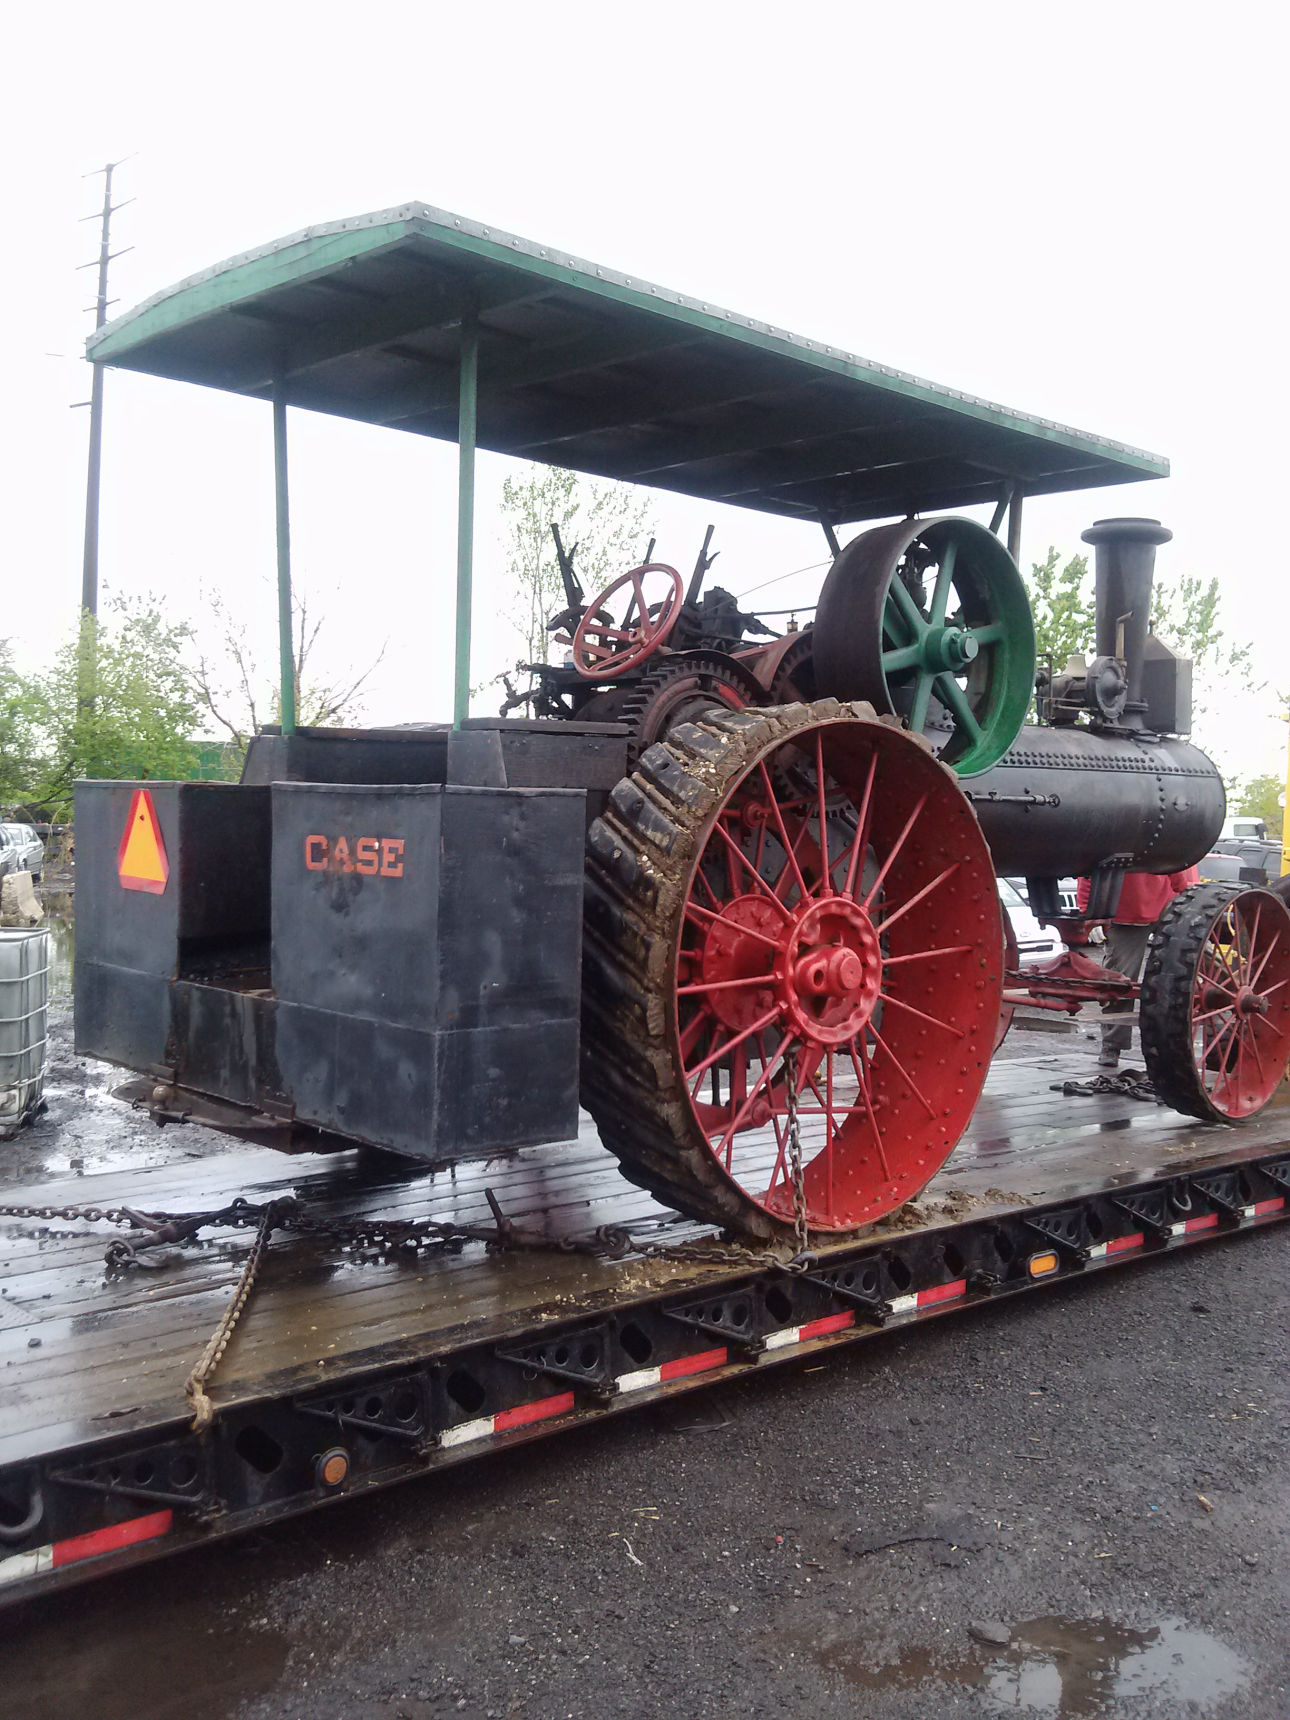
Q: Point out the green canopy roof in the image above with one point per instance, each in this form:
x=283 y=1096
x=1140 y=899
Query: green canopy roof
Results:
x=581 y=366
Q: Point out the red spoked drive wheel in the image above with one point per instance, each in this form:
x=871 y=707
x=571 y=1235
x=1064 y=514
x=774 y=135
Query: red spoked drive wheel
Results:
x=794 y=895
x=1215 y=1014
x=605 y=647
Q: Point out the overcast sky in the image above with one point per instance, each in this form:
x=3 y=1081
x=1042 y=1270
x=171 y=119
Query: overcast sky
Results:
x=1077 y=211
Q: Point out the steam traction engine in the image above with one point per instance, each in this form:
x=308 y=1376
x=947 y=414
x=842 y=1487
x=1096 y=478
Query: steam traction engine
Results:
x=736 y=892
x=793 y=972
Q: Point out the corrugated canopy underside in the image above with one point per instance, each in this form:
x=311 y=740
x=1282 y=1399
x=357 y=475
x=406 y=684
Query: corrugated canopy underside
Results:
x=582 y=367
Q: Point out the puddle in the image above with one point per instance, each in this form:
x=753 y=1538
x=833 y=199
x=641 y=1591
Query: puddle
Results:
x=1067 y=1669
x=166 y=1671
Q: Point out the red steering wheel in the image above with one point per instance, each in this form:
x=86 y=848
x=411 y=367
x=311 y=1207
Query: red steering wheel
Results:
x=604 y=647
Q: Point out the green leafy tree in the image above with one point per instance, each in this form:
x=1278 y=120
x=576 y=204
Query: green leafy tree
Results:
x=609 y=523
x=117 y=701
x=19 y=756
x=1263 y=797
x=1061 y=598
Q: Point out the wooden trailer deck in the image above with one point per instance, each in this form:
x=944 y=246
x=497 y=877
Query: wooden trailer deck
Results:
x=94 y=1363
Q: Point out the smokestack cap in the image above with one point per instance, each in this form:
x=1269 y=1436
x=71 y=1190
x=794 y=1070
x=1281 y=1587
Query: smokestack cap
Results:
x=1127 y=531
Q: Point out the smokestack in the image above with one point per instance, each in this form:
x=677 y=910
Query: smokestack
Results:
x=1123 y=572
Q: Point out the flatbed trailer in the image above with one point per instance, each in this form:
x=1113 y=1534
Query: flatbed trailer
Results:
x=350 y=1373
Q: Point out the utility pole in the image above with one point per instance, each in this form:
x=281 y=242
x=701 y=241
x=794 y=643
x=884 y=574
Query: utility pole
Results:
x=90 y=566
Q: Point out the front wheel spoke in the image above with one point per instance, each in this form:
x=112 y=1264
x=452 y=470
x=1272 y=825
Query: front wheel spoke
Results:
x=862 y=1079
x=704 y=917
x=696 y=1074
x=826 y=870
x=735 y=853
x=915 y=899
x=768 y=1073
x=933 y=1020
x=862 y=828
x=1251 y=1040
x=904 y=1074
x=1271 y=950
x=927 y=955
x=761 y=979
x=954 y=699
x=895 y=849
x=785 y=838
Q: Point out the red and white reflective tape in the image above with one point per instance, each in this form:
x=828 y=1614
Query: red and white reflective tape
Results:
x=1186 y=1226
x=505 y=1419
x=927 y=1298
x=640 y=1378
x=1117 y=1245
x=92 y=1546
x=789 y=1335
x=1260 y=1207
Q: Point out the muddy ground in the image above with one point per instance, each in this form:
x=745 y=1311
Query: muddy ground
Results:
x=1076 y=1505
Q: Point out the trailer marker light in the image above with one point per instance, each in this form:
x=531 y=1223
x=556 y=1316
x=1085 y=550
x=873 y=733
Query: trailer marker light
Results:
x=1042 y=1265
x=141 y=862
x=332 y=1467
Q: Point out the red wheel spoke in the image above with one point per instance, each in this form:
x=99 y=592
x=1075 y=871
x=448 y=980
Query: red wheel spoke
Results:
x=863 y=1080
x=701 y=1068
x=862 y=829
x=701 y=877
x=737 y=853
x=761 y=979
x=1223 y=1009
x=783 y=831
x=896 y=847
x=794 y=855
x=1251 y=1040
x=905 y=1076
x=694 y=1030
x=1271 y=950
x=935 y=1020
x=926 y=955
x=826 y=871
x=766 y=1075
x=705 y=916
x=913 y=901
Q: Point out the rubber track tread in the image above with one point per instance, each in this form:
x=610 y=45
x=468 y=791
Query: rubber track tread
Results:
x=639 y=856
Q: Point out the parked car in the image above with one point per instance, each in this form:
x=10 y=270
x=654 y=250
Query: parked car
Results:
x=21 y=850
x=1036 y=943
x=1242 y=860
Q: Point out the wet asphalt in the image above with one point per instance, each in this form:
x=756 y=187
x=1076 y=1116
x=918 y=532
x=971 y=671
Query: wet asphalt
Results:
x=1074 y=1504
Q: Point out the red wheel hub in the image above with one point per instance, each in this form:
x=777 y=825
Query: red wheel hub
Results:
x=831 y=971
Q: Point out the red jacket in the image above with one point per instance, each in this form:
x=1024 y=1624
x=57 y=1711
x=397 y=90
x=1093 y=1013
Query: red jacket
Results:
x=1144 y=896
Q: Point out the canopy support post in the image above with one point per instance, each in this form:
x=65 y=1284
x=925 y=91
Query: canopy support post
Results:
x=468 y=392
x=282 y=520
x=1014 y=523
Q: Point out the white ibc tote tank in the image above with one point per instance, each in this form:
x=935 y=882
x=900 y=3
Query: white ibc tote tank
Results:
x=24 y=1008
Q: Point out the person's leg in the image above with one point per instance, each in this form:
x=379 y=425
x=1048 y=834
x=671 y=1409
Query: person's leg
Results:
x=1126 y=951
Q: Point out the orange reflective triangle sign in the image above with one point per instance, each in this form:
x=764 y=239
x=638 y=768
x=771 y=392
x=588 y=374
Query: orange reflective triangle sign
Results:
x=141 y=862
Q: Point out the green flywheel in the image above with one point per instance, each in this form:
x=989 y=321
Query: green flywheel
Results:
x=930 y=621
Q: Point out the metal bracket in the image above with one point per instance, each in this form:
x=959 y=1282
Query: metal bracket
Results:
x=119 y=1478
x=1223 y=1190
x=1068 y=1229
x=1150 y=1210
x=857 y=1285
x=730 y=1318
x=1278 y=1173
x=413 y=1433
x=579 y=1357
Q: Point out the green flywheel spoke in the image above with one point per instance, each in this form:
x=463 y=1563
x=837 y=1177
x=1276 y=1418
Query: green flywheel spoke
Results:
x=944 y=580
x=954 y=699
x=909 y=610
x=922 y=698
x=902 y=657
x=990 y=634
